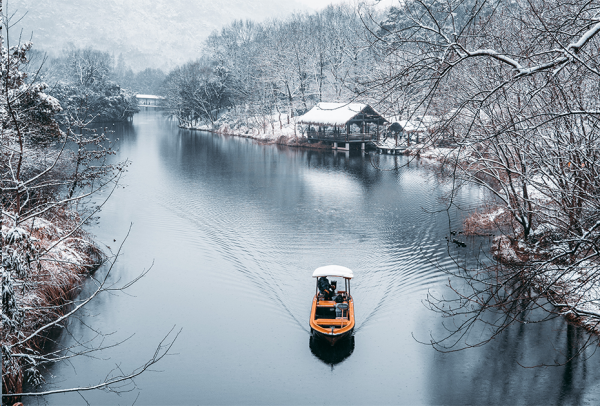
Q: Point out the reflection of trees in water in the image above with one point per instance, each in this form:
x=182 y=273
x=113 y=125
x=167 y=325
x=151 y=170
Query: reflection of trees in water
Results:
x=512 y=368
x=354 y=163
x=331 y=355
x=228 y=152
x=124 y=131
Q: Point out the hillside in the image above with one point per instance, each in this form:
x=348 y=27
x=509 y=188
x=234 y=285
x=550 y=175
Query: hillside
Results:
x=159 y=33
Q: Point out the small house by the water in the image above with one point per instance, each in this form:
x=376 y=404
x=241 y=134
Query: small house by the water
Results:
x=342 y=124
x=149 y=100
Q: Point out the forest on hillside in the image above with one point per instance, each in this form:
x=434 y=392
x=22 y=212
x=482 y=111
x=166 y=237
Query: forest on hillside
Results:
x=282 y=66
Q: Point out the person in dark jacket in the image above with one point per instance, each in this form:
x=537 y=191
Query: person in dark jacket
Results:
x=326 y=288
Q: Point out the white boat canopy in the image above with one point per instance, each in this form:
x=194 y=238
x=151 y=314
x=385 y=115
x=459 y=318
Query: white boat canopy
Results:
x=333 y=270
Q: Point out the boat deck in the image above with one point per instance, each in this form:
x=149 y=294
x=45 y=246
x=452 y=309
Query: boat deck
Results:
x=326 y=322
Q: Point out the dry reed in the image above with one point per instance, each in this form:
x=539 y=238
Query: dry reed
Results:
x=66 y=255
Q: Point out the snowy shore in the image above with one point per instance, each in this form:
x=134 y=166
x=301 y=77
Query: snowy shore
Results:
x=274 y=129
x=281 y=129
x=573 y=290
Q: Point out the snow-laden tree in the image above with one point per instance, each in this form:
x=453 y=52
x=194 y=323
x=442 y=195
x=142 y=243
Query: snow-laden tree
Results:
x=82 y=80
x=517 y=83
x=287 y=66
x=198 y=92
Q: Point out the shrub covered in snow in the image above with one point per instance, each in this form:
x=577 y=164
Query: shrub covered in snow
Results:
x=43 y=264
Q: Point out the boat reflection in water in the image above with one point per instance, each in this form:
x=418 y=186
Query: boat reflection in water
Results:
x=331 y=355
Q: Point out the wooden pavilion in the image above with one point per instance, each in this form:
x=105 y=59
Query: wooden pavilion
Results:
x=343 y=124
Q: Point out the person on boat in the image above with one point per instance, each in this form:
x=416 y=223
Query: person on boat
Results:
x=326 y=288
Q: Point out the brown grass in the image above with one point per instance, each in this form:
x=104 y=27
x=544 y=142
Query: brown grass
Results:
x=487 y=221
x=49 y=288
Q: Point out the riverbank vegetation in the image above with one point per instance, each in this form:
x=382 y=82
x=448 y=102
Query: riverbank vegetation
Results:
x=44 y=251
x=516 y=83
x=45 y=262
x=53 y=166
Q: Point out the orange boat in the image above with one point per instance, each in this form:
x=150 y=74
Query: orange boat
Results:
x=332 y=318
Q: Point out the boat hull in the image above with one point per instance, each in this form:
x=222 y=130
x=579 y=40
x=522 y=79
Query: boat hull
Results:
x=324 y=323
x=332 y=338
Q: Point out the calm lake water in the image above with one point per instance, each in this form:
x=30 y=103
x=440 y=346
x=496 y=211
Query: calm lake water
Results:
x=233 y=230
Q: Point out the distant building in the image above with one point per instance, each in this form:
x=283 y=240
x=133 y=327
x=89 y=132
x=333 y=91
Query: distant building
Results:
x=150 y=100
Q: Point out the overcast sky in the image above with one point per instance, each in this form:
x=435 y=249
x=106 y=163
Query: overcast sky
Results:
x=160 y=33
x=320 y=4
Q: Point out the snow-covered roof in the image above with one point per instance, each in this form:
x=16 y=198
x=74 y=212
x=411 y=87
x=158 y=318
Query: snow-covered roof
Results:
x=390 y=143
x=333 y=270
x=148 y=96
x=413 y=125
x=336 y=113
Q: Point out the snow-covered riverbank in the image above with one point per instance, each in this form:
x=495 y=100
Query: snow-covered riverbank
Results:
x=50 y=258
x=282 y=129
x=543 y=260
x=274 y=129
x=572 y=288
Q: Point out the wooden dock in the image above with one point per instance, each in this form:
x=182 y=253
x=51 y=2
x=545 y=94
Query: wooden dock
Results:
x=343 y=142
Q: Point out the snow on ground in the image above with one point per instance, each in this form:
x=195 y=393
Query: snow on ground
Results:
x=390 y=143
x=269 y=128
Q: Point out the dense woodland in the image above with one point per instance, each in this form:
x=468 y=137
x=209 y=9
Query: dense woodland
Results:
x=96 y=84
x=254 y=70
